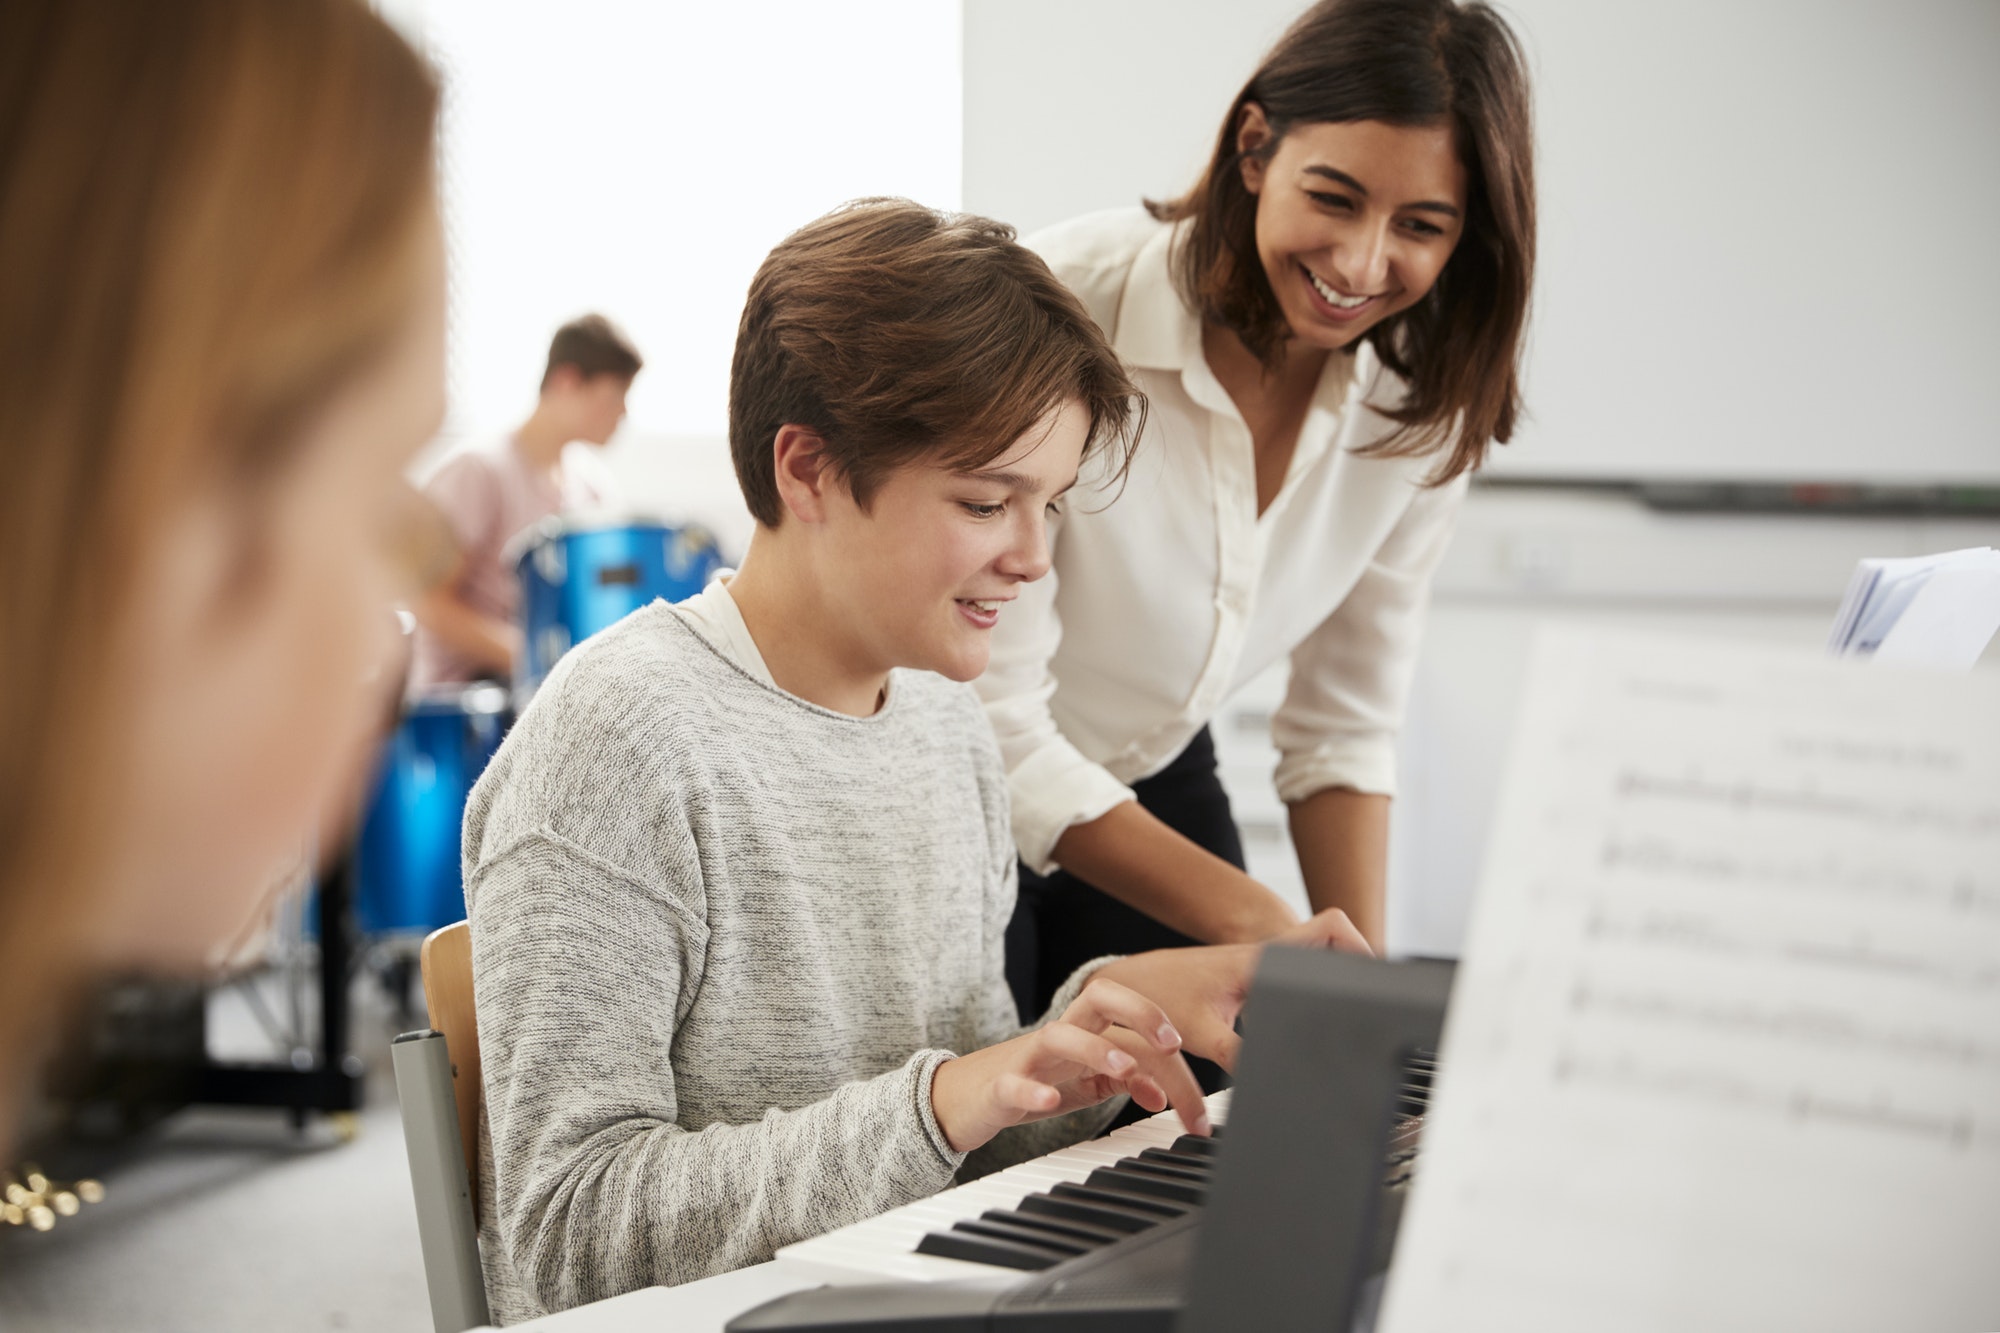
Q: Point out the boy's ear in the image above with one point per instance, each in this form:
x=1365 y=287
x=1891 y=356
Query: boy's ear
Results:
x=565 y=377
x=804 y=478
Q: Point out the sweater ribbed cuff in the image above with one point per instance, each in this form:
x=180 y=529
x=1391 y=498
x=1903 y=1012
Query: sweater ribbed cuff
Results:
x=923 y=1067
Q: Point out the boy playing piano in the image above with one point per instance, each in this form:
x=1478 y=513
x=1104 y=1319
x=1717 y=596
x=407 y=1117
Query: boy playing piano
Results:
x=740 y=877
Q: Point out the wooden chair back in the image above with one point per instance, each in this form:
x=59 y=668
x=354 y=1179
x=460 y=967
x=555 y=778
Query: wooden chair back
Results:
x=447 y=966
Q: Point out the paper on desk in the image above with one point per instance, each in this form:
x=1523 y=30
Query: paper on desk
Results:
x=1950 y=620
x=1884 y=589
x=1724 y=1047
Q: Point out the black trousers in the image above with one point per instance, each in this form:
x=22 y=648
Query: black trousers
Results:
x=1060 y=922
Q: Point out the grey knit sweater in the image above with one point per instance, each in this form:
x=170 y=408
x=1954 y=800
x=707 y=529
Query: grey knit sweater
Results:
x=721 y=940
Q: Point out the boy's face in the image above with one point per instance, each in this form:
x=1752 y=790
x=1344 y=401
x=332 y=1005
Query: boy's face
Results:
x=926 y=572
x=601 y=406
x=591 y=406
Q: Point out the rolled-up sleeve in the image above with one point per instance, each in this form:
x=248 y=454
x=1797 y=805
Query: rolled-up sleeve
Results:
x=1050 y=784
x=1351 y=676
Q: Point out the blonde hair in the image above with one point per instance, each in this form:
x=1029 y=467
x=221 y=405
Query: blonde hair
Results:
x=208 y=222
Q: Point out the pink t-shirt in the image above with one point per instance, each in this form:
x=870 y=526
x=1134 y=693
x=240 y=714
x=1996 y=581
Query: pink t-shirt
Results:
x=489 y=493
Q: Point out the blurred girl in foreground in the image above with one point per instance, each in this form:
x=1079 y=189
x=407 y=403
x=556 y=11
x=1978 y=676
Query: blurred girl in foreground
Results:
x=221 y=340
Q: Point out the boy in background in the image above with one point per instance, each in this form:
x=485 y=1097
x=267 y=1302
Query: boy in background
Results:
x=466 y=626
x=739 y=879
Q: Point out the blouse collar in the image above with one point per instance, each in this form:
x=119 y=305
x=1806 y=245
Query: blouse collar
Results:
x=1157 y=330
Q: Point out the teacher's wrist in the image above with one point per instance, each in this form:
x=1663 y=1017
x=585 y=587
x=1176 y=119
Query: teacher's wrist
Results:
x=1257 y=914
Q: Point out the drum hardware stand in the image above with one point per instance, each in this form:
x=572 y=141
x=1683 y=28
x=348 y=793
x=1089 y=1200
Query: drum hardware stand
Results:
x=328 y=1079
x=140 y=1086
x=390 y=961
x=292 y=959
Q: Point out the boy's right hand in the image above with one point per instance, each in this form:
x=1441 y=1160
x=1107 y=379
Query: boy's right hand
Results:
x=1110 y=1040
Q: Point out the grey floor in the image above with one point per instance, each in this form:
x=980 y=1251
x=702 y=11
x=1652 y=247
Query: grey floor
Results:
x=228 y=1221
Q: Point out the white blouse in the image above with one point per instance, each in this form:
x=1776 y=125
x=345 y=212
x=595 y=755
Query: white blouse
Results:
x=1170 y=594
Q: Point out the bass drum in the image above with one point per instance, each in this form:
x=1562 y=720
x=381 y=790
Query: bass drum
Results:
x=579 y=577
x=406 y=861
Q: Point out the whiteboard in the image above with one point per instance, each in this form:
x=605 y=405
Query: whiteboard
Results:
x=1766 y=243
x=641 y=159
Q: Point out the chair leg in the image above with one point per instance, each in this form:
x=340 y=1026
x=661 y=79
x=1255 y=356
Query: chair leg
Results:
x=446 y=1227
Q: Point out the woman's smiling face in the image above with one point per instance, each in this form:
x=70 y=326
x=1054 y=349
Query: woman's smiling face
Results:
x=1355 y=219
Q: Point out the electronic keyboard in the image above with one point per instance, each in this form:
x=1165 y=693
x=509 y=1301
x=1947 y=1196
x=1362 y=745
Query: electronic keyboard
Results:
x=1284 y=1220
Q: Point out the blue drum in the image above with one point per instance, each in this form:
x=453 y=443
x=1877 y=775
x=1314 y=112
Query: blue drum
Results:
x=579 y=576
x=406 y=861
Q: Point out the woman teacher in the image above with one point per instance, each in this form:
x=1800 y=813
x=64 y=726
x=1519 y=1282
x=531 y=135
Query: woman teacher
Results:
x=1328 y=328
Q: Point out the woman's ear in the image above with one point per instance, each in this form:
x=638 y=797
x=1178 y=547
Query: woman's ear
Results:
x=1253 y=136
x=800 y=463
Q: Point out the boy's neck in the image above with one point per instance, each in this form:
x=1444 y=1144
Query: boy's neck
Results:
x=542 y=437
x=808 y=652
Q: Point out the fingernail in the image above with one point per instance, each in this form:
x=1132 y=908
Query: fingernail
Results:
x=1201 y=1125
x=1166 y=1036
x=1119 y=1062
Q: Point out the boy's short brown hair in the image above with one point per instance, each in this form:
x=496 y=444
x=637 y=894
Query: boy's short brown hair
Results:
x=595 y=346
x=900 y=333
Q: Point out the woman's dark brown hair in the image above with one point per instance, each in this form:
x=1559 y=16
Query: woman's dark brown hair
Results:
x=898 y=334
x=1411 y=63
x=212 y=217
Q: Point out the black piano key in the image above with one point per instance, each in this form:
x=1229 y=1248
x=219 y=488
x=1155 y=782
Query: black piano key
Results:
x=1186 y=1161
x=1122 y=1198
x=1021 y=1235
x=1195 y=1143
x=1419 y=1071
x=987 y=1250
x=1154 y=1167
x=1082 y=1232
x=1134 y=1181
x=1112 y=1216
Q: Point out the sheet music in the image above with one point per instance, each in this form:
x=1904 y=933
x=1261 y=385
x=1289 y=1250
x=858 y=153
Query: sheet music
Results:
x=1950 y=620
x=1724 y=1048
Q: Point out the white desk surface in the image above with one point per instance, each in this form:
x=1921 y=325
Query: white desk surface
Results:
x=698 y=1307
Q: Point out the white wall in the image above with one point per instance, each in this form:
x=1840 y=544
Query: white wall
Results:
x=1764 y=249
x=1766 y=246
x=640 y=159
x=1075 y=105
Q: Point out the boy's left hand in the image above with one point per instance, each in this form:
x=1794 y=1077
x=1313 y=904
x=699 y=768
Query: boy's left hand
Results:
x=1203 y=989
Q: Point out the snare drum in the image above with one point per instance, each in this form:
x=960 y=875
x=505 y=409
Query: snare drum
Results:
x=579 y=576
x=406 y=861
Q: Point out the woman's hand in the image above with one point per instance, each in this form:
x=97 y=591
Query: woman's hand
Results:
x=1203 y=989
x=1110 y=1040
x=1331 y=929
